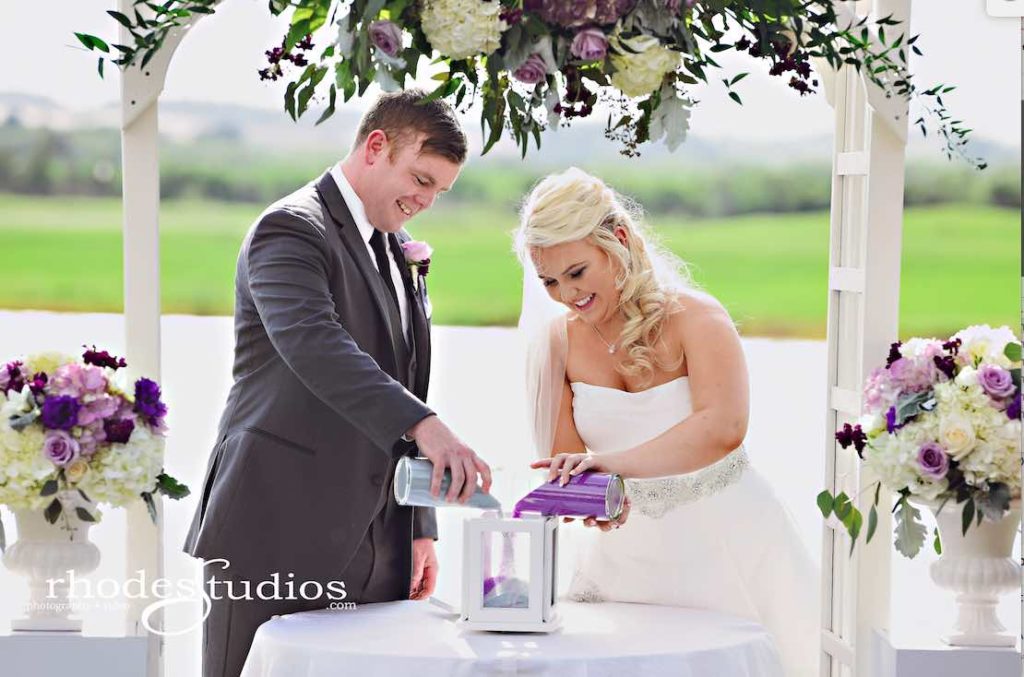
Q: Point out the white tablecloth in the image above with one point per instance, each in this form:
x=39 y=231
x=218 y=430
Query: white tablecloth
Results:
x=420 y=640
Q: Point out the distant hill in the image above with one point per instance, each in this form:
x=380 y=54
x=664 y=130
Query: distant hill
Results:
x=272 y=130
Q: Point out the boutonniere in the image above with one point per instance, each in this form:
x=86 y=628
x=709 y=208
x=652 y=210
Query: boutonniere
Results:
x=417 y=257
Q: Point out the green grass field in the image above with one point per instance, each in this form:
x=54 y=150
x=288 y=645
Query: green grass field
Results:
x=960 y=263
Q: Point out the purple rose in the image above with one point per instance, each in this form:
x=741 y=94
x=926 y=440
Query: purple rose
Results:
x=148 y=404
x=532 y=71
x=60 y=448
x=933 y=460
x=995 y=380
x=386 y=36
x=590 y=44
x=60 y=412
x=118 y=430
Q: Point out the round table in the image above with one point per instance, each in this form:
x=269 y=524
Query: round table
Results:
x=420 y=640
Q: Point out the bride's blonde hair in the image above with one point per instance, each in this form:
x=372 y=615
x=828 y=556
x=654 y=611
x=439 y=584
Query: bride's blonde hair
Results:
x=574 y=205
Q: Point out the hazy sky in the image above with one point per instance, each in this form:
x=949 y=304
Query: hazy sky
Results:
x=219 y=59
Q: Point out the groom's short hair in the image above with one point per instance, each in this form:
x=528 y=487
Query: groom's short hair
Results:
x=405 y=115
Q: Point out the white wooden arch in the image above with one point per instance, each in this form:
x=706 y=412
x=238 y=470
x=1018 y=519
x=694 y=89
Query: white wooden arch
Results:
x=863 y=312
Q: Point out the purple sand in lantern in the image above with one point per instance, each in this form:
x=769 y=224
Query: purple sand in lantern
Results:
x=589 y=494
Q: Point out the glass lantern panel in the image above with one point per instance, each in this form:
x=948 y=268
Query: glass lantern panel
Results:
x=506 y=570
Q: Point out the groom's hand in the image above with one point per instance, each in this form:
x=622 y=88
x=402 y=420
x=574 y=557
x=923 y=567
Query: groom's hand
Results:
x=438 y=443
x=424 y=569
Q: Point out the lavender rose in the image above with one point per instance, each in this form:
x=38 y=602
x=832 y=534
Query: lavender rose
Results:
x=60 y=448
x=590 y=44
x=386 y=36
x=995 y=380
x=933 y=460
x=532 y=71
x=60 y=412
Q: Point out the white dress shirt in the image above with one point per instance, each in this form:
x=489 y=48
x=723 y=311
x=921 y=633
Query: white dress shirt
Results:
x=355 y=205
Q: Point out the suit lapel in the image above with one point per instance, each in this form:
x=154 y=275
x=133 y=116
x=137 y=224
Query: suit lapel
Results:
x=331 y=196
x=418 y=320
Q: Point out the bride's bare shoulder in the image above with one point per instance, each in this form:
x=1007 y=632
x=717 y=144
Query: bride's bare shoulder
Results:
x=695 y=307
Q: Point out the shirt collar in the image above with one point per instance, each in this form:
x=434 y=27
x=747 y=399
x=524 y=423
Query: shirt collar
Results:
x=355 y=205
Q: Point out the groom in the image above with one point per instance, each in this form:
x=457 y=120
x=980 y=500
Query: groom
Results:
x=332 y=360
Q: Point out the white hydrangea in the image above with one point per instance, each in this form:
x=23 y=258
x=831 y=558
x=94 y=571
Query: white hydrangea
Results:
x=46 y=362
x=893 y=459
x=916 y=347
x=120 y=472
x=641 y=64
x=463 y=28
x=23 y=468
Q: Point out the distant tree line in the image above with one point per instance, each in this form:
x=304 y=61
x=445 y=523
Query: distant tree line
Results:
x=222 y=167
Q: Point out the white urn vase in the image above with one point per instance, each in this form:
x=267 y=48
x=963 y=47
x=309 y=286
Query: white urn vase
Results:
x=977 y=567
x=45 y=553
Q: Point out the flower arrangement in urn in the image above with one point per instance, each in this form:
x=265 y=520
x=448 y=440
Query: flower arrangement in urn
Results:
x=942 y=426
x=78 y=427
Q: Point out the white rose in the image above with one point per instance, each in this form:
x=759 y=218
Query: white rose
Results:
x=968 y=376
x=640 y=73
x=956 y=434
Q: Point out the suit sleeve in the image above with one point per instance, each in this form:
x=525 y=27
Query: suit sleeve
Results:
x=287 y=262
x=424 y=523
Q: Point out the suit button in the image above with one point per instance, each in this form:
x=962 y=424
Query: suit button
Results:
x=377 y=479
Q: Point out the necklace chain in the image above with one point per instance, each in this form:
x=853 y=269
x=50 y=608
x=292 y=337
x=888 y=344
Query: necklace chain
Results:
x=610 y=346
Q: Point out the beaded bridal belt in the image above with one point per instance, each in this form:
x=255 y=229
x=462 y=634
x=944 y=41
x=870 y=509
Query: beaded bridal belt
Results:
x=655 y=497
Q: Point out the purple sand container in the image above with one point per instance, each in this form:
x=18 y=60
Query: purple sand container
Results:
x=589 y=494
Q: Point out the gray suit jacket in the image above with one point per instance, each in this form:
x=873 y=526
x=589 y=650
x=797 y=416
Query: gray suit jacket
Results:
x=320 y=399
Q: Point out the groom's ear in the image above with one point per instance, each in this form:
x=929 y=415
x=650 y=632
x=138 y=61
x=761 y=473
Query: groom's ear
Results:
x=376 y=147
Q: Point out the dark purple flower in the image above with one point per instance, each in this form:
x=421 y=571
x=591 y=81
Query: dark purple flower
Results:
x=60 y=412
x=101 y=358
x=952 y=347
x=60 y=448
x=894 y=354
x=38 y=383
x=946 y=364
x=532 y=71
x=852 y=434
x=11 y=377
x=933 y=460
x=386 y=36
x=147 y=402
x=118 y=430
x=1013 y=411
x=306 y=42
x=890 y=421
x=511 y=15
x=589 y=44
x=995 y=381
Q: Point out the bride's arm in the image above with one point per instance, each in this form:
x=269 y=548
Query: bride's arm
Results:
x=567 y=439
x=720 y=395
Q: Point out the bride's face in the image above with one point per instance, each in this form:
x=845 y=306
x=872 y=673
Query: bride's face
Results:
x=581 y=276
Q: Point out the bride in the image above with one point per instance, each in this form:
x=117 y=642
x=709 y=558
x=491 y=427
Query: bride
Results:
x=634 y=371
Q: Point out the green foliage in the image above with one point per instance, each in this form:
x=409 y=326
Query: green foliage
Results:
x=786 y=34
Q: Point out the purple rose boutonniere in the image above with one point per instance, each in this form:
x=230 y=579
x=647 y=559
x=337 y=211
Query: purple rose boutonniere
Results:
x=417 y=257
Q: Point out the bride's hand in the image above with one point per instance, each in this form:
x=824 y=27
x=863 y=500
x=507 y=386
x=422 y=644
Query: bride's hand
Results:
x=608 y=525
x=569 y=465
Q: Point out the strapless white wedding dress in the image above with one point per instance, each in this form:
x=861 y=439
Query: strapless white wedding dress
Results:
x=714 y=539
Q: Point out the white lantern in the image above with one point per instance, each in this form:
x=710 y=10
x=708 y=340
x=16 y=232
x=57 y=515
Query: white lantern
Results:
x=509 y=566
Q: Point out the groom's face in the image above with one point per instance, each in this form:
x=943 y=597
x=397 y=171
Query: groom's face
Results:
x=402 y=181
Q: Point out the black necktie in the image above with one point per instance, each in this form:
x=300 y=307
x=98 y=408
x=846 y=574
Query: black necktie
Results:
x=383 y=264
